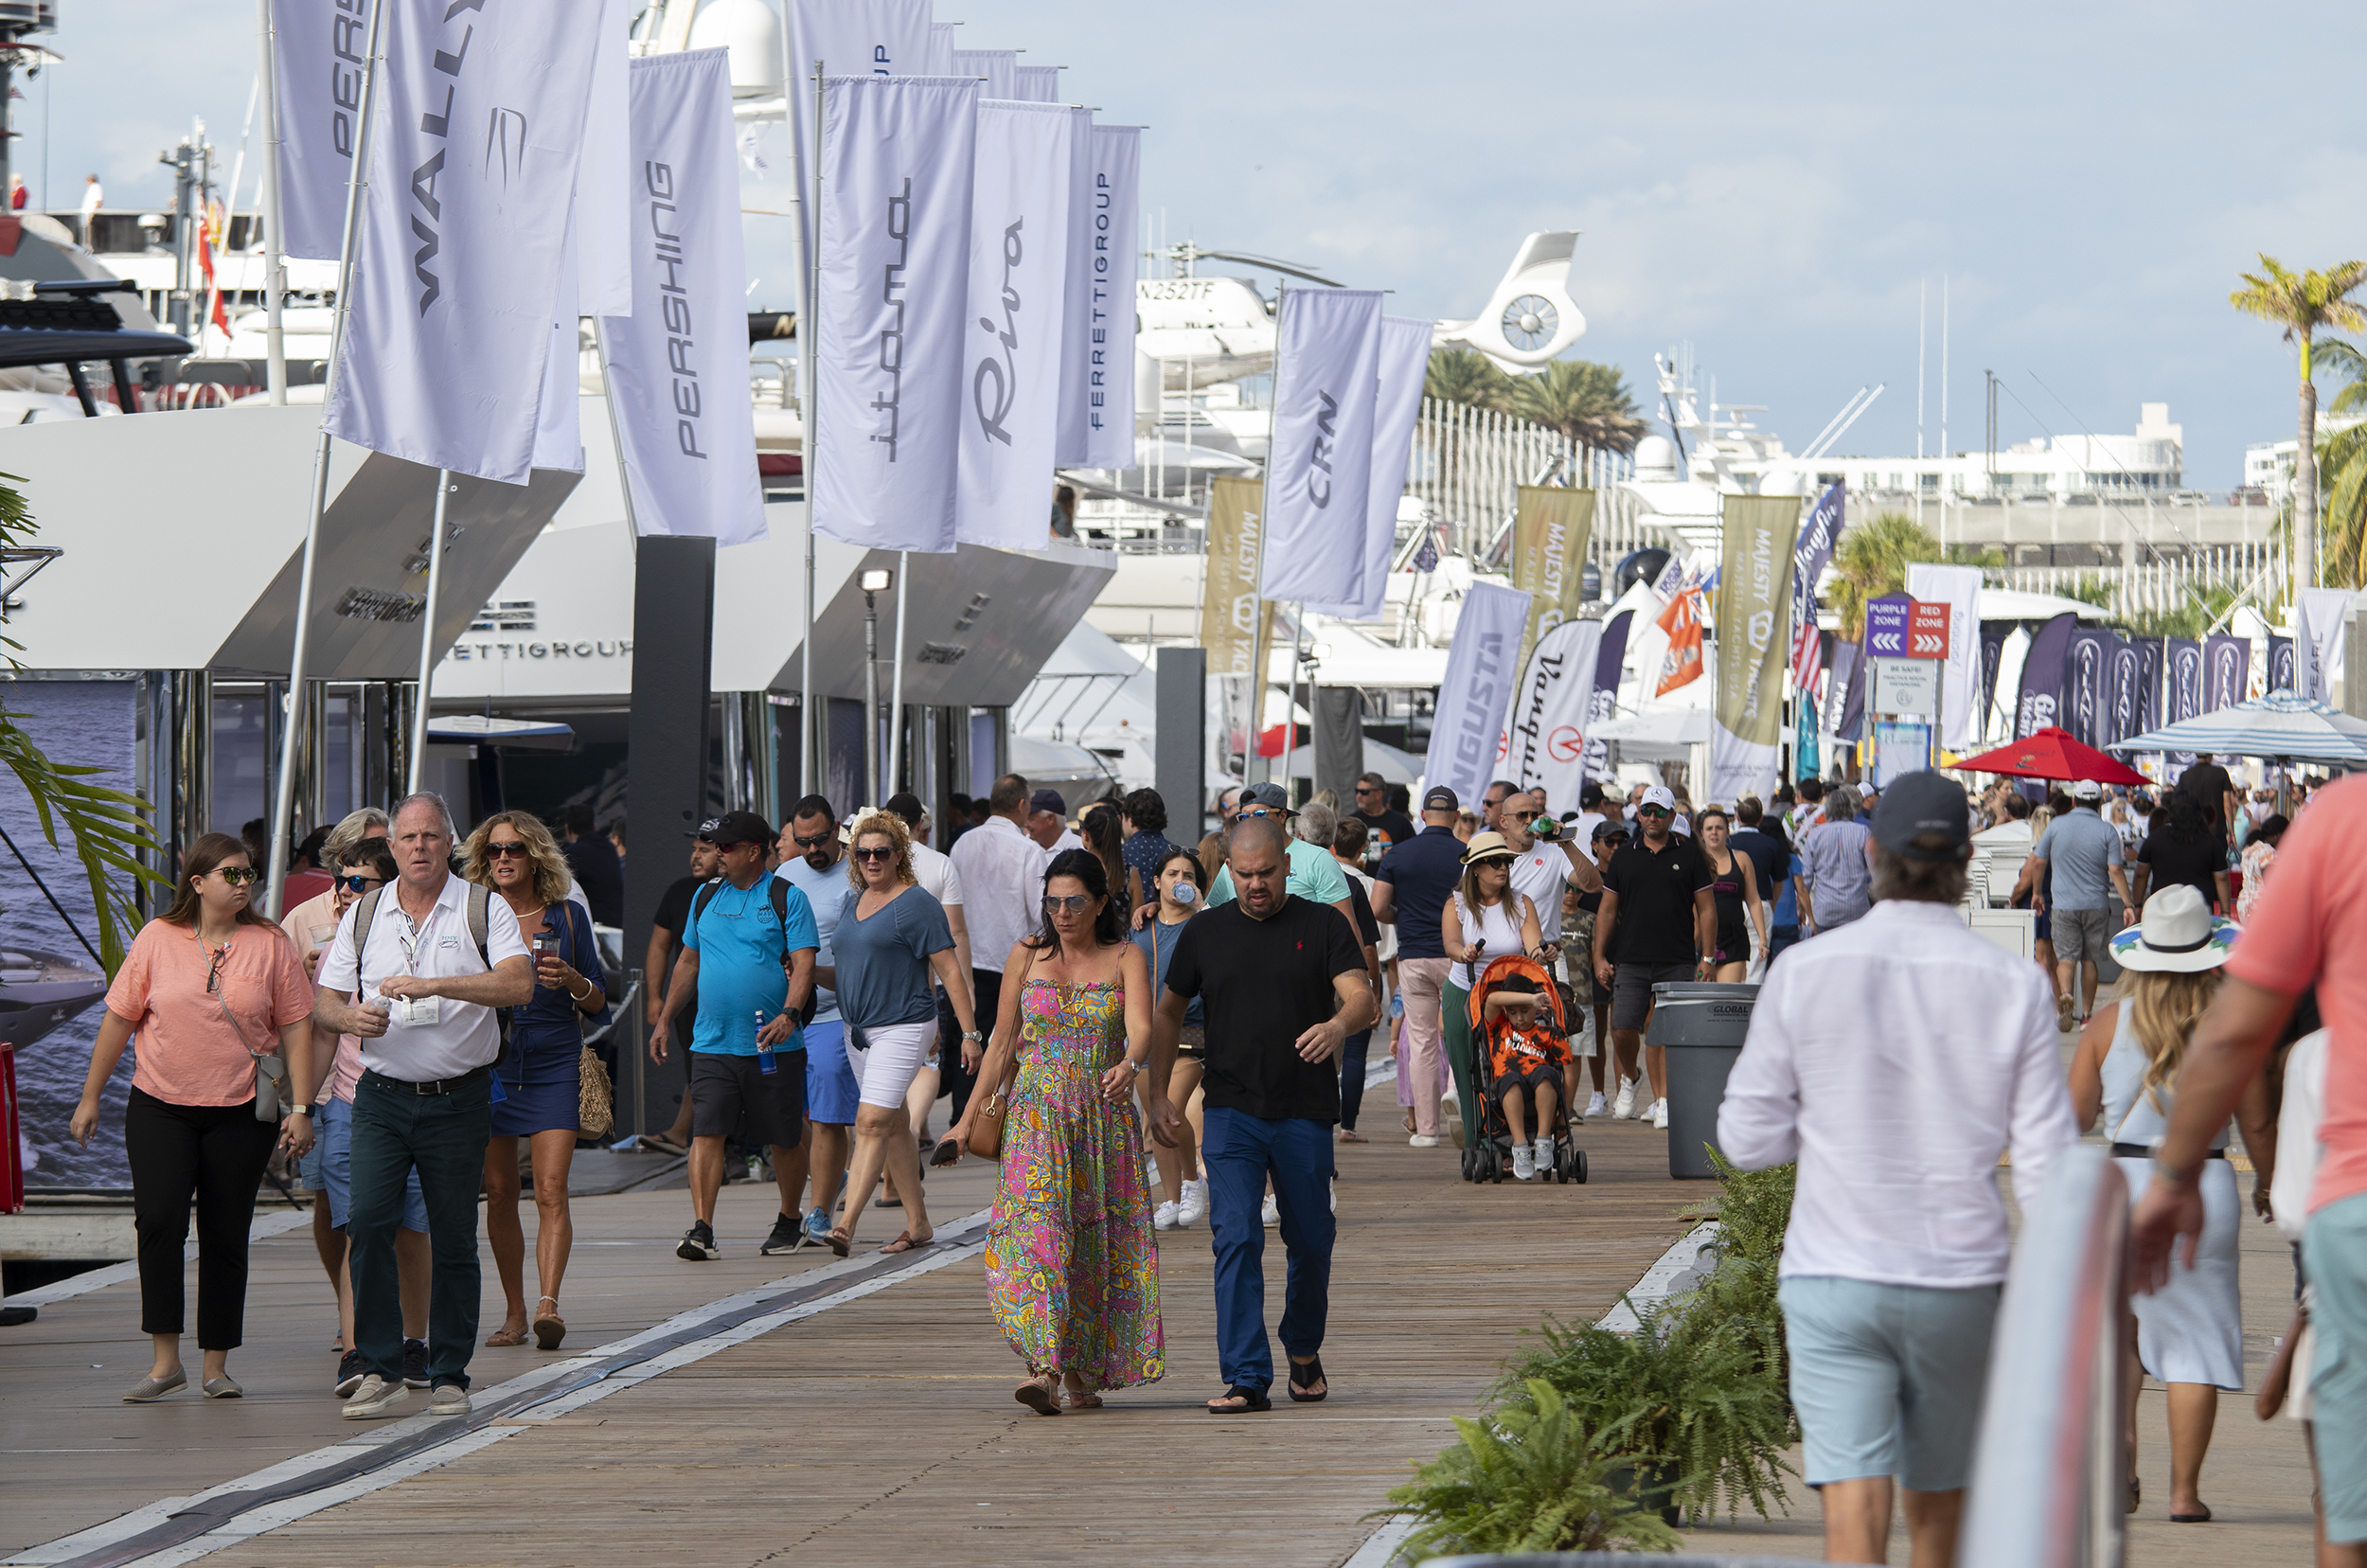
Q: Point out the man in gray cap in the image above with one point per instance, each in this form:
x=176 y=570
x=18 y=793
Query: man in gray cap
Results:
x=1895 y=1058
x=1047 y=823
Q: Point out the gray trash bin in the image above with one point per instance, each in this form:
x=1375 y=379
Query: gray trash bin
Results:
x=1702 y=1025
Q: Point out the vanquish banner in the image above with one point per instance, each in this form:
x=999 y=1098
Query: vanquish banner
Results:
x=1754 y=609
x=1097 y=340
x=1549 y=710
x=2039 y=702
x=1603 y=701
x=1550 y=525
x=678 y=366
x=464 y=230
x=318 y=50
x=1810 y=557
x=1021 y=199
x=1476 y=694
x=873 y=38
x=1319 y=470
x=1405 y=362
x=883 y=424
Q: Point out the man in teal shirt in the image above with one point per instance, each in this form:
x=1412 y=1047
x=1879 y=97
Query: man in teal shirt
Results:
x=1315 y=875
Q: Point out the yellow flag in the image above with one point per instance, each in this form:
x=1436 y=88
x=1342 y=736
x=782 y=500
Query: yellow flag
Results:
x=1550 y=529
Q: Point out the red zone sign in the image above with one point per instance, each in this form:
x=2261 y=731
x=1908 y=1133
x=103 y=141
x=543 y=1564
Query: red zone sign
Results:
x=1927 y=630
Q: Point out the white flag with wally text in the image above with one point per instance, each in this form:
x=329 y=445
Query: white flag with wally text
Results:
x=1466 y=737
x=678 y=366
x=1405 y=362
x=1018 y=255
x=876 y=38
x=318 y=50
x=464 y=230
x=891 y=382
x=1319 y=469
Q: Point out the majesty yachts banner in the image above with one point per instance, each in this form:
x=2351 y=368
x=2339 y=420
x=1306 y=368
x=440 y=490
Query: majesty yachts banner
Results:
x=1319 y=473
x=1476 y=694
x=677 y=366
x=1404 y=360
x=873 y=38
x=1753 y=644
x=1550 y=525
x=890 y=379
x=472 y=174
x=318 y=49
x=1018 y=256
x=1097 y=341
x=1228 y=606
x=1549 y=710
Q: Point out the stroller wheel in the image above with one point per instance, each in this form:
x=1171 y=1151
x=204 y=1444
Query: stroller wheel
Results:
x=1471 y=1164
x=1578 y=1166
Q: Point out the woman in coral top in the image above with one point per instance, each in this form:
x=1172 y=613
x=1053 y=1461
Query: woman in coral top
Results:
x=207 y=987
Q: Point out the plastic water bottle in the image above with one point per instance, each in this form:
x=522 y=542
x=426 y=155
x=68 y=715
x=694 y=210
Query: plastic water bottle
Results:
x=1397 y=1005
x=765 y=1063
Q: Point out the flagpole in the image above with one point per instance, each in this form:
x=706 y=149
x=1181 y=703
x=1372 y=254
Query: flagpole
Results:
x=283 y=803
x=418 y=760
x=895 y=676
x=809 y=772
x=616 y=433
x=275 y=262
x=1261 y=649
x=1290 y=715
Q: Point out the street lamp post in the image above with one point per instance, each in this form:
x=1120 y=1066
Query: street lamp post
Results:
x=874 y=583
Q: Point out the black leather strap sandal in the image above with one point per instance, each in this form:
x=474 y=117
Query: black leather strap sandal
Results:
x=1305 y=1376
x=1252 y=1399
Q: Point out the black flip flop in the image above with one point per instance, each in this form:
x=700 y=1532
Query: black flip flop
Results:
x=1308 y=1376
x=1254 y=1398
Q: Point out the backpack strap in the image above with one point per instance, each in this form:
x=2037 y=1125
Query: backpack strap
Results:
x=700 y=901
x=362 y=915
x=481 y=922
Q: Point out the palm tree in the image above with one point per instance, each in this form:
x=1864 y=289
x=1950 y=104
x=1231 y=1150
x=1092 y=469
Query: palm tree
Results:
x=1587 y=402
x=2342 y=461
x=2302 y=302
x=1871 y=560
x=1467 y=376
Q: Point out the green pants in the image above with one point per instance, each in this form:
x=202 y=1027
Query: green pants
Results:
x=1454 y=1008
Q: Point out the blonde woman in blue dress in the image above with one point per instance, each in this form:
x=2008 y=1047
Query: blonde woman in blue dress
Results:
x=2190 y=1334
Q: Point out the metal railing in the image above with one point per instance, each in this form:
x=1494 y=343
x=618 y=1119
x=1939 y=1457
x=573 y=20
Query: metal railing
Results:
x=2049 y=1473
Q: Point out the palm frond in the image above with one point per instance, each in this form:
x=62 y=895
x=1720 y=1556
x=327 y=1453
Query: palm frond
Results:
x=1467 y=376
x=1871 y=560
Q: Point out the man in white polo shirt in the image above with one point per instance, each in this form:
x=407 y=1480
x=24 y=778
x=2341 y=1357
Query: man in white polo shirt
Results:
x=435 y=958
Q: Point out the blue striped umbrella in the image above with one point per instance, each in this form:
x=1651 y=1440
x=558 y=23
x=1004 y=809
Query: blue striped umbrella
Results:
x=2279 y=725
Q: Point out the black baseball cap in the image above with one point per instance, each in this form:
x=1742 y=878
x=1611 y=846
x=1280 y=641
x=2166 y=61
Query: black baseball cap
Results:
x=1047 y=800
x=1439 y=798
x=1609 y=828
x=734 y=828
x=1921 y=805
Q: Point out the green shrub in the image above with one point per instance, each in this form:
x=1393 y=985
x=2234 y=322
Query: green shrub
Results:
x=1523 y=1478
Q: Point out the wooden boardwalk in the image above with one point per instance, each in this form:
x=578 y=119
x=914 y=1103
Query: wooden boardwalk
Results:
x=881 y=1429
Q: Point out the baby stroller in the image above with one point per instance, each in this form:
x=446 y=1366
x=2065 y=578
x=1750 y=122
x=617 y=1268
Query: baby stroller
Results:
x=1503 y=1047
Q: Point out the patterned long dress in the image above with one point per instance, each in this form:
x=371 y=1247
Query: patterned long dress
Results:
x=1071 y=1268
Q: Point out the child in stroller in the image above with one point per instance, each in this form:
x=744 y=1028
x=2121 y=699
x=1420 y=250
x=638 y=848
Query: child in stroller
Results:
x=1520 y=1032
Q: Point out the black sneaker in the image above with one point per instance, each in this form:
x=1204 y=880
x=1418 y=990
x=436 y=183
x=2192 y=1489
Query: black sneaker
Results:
x=698 y=1244
x=789 y=1233
x=350 y=1373
x=415 y=1362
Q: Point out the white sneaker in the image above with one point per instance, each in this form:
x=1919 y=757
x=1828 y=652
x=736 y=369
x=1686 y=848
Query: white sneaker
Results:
x=1194 y=1206
x=1660 y=1113
x=1624 y=1106
x=1269 y=1214
x=1524 y=1164
x=1545 y=1155
x=1162 y=1218
x=1451 y=1119
x=1597 y=1106
x=1422 y=1140
x=375 y=1397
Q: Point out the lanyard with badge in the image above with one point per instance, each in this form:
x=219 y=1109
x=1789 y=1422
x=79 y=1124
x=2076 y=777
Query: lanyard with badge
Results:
x=416 y=1011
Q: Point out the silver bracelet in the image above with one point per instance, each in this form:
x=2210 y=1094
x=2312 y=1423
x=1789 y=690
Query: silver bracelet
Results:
x=581 y=994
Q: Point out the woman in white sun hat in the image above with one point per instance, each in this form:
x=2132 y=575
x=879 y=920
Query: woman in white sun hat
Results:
x=2190 y=1334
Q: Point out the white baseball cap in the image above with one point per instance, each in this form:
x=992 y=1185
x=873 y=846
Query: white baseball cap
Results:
x=1659 y=795
x=2087 y=789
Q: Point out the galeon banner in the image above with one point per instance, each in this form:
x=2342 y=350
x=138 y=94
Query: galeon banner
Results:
x=1476 y=694
x=678 y=366
x=1318 y=471
x=883 y=420
x=1404 y=360
x=464 y=232
x=1753 y=645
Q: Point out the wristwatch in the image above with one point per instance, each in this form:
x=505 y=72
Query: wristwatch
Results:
x=300 y=1109
x=972 y=1034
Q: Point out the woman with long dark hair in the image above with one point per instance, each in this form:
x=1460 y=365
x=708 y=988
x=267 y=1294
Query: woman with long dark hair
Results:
x=2183 y=847
x=541 y=1075
x=1071 y=1268
x=210 y=985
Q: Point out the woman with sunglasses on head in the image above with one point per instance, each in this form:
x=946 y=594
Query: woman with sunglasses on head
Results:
x=1071 y=1271
x=891 y=935
x=540 y=1075
x=211 y=986
x=1180 y=884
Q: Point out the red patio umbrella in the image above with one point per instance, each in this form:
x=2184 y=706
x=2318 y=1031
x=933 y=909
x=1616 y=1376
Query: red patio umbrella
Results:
x=2052 y=753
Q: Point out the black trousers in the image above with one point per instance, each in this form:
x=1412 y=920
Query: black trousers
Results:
x=216 y=1154
x=986 y=994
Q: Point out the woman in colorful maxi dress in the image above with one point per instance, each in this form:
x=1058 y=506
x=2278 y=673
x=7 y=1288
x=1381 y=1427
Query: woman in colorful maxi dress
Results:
x=1071 y=1268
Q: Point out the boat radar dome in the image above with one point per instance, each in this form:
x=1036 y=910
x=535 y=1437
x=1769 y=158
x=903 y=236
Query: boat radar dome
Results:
x=752 y=32
x=1656 y=458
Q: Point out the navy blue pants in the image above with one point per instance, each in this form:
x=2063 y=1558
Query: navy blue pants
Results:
x=1241 y=1151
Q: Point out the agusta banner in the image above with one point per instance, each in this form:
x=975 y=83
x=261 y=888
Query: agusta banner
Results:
x=1550 y=525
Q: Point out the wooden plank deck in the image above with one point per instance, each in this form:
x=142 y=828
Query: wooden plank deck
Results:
x=881 y=1429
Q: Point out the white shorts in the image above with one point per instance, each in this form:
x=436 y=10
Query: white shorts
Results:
x=892 y=1060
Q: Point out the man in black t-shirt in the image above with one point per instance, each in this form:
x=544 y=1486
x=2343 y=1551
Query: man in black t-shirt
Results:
x=665 y=929
x=1384 y=826
x=1657 y=923
x=1283 y=983
x=2211 y=788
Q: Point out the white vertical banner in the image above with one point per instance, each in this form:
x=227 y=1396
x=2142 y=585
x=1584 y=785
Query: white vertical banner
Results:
x=1405 y=362
x=1959 y=588
x=677 y=365
x=558 y=435
x=320 y=47
x=604 y=181
x=1468 y=735
x=997 y=71
x=1550 y=709
x=940 y=49
x=1037 y=83
x=2318 y=643
x=1021 y=198
x=1319 y=467
x=889 y=346
x=464 y=230
x=1098 y=348
x=876 y=38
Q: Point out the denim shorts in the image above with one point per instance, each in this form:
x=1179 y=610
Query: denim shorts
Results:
x=831 y=1088
x=1887 y=1378
x=332 y=1148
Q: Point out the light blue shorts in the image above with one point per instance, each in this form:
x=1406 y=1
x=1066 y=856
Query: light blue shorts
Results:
x=832 y=1087
x=2334 y=1256
x=1887 y=1378
x=333 y=1173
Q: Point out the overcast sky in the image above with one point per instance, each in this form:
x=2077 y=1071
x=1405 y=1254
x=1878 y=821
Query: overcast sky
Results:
x=1768 y=184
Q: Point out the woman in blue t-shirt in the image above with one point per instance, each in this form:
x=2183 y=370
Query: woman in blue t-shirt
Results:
x=1179 y=883
x=890 y=937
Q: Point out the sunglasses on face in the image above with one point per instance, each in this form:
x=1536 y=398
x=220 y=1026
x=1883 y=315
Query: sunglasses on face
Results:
x=1653 y=811
x=876 y=853
x=1525 y=816
x=1367 y=789
x=814 y=843
x=505 y=848
x=1253 y=811
x=1065 y=904
x=239 y=876
x=360 y=885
